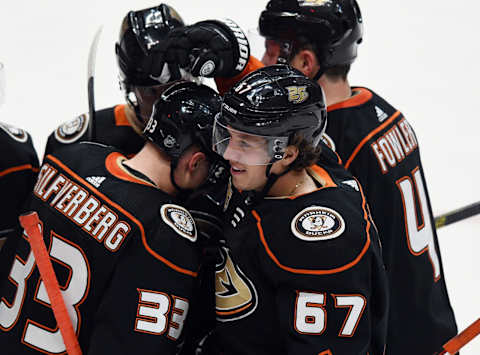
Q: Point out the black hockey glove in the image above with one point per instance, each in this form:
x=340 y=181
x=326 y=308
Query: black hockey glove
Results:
x=211 y=48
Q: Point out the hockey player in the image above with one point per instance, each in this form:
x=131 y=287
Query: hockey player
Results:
x=377 y=144
x=121 y=126
x=307 y=251
x=124 y=250
x=18 y=170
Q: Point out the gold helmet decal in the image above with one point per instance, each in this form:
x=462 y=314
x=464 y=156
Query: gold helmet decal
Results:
x=297 y=94
x=235 y=295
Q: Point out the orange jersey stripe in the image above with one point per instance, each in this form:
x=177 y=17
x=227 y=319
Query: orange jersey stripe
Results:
x=225 y=84
x=120 y=116
x=310 y=271
x=362 y=96
x=319 y=174
x=18 y=168
x=136 y=221
x=368 y=136
x=112 y=163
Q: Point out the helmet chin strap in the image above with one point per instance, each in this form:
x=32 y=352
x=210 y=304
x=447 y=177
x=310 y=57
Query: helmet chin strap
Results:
x=182 y=193
x=319 y=74
x=253 y=196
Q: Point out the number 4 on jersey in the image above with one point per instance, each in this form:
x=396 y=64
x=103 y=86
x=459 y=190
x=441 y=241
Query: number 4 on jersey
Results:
x=419 y=236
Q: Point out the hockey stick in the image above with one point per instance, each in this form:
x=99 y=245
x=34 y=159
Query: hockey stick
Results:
x=92 y=55
x=457 y=215
x=33 y=229
x=454 y=345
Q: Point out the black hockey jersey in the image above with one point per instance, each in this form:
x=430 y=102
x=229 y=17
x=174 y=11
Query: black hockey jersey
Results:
x=124 y=252
x=111 y=128
x=302 y=274
x=18 y=172
x=378 y=145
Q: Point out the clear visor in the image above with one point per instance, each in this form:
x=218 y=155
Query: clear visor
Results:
x=246 y=148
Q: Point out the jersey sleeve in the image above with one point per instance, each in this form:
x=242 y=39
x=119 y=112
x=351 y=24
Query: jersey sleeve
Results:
x=225 y=84
x=18 y=171
x=148 y=300
x=67 y=133
x=328 y=270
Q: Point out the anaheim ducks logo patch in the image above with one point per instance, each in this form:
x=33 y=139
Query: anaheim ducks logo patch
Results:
x=317 y=223
x=71 y=131
x=16 y=133
x=235 y=295
x=180 y=220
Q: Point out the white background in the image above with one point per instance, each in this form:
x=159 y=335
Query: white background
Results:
x=421 y=56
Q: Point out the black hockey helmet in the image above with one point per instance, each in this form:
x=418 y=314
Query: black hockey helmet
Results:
x=183 y=116
x=335 y=27
x=139 y=33
x=270 y=106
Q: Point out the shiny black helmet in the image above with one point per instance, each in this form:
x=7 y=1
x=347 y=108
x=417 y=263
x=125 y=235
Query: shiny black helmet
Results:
x=183 y=116
x=265 y=110
x=139 y=33
x=334 y=27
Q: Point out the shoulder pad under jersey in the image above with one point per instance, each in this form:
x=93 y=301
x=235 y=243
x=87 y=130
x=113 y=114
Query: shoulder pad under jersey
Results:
x=16 y=147
x=16 y=134
x=325 y=232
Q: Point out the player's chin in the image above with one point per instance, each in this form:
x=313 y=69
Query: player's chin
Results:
x=240 y=181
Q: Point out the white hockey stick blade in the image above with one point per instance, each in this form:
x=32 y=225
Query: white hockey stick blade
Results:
x=92 y=55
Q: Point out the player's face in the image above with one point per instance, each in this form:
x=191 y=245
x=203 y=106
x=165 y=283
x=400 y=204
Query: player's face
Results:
x=272 y=51
x=243 y=150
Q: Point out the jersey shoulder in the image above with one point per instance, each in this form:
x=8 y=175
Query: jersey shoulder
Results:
x=167 y=230
x=366 y=104
x=321 y=233
x=17 y=148
x=108 y=123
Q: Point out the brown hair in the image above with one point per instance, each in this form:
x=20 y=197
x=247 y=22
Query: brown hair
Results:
x=307 y=153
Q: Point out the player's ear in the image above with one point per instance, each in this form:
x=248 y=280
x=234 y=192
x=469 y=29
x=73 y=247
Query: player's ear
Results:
x=306 y=62
x=196 y=160
x=291 y=153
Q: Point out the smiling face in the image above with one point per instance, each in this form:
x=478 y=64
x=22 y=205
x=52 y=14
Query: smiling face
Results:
x=248 y=158
x=248 y=155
